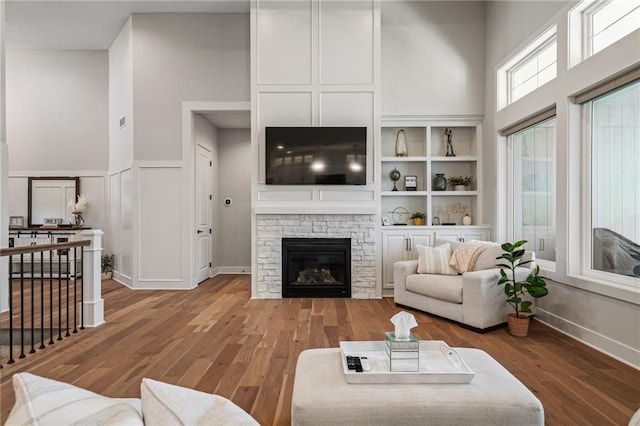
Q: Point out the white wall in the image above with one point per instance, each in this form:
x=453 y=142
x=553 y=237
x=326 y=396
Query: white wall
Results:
x=4 y=172
x=121 y=99
x=433 y=58
x=160 y=62
x=606 y=317
x=183 y=57
x=57 y=109
x=234 y=232
x=507 y=31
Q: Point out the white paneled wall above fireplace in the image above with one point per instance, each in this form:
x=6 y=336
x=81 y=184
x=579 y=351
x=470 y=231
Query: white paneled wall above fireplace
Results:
x=314 y=63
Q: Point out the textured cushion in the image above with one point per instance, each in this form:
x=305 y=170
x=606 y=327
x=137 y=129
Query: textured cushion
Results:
x=434 y=260
x=440 y=242
x=447 y=288
x=45 y=401
x=165 y=404
x=463 y=259
x=487 y=259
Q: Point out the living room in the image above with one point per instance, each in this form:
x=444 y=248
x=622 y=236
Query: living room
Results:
x=410 y=65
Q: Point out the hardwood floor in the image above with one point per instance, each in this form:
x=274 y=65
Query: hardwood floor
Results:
x=216 y=339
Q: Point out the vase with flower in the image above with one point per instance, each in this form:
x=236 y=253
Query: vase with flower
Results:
x=77 y=208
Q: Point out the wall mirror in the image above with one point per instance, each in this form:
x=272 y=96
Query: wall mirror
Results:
x=48 y=199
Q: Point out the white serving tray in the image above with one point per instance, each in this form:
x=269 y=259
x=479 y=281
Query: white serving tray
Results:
x=438 y=364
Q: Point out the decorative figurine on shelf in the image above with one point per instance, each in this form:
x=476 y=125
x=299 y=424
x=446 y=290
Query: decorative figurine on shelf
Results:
x=449 y=134
x=401 y=144
x=394 y=175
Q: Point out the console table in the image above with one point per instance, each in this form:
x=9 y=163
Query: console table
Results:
x=321 y=395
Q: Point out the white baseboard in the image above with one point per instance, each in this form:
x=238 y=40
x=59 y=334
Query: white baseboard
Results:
x=232 y=270
x=604 y=344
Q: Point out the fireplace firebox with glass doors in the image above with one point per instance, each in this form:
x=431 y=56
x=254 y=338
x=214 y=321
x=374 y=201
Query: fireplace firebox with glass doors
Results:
x=316 y=267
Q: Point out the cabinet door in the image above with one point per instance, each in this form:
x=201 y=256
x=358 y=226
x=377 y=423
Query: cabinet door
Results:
x=448 y=234
x=394 y=249
x=424 y=240
x=474 y=234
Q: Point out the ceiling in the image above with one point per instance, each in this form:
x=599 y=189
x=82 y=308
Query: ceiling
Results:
x=90 y=24
x=94 y=25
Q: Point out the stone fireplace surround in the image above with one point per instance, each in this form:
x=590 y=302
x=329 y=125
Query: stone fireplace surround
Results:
x=271 y=228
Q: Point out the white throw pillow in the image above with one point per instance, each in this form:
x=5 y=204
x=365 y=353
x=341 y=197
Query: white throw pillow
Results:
x=435 y=260
x=41 y=401
x=165 y=404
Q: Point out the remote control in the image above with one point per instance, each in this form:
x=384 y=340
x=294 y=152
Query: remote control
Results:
x=364 y=361
x=358 y=364
x=351 y=363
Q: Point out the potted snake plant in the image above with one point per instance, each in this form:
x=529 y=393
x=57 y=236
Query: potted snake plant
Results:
x=516 y=290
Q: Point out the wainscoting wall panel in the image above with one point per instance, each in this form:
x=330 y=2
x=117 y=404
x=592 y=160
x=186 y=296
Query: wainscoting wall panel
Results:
x=159 y=236
x=346 y=42
x=285 y=30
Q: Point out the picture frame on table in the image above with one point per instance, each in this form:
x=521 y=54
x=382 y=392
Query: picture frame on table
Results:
x=436 y=220
x=385 y=221
x=16 y=222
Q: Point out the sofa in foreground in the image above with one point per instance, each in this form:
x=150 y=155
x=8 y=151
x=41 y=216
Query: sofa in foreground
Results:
x=467 y=293
x=42 y=401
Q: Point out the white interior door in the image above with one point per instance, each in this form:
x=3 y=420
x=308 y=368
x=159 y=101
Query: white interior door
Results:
x=204 y=218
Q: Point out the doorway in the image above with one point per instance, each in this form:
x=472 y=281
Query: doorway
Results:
x=201 y=166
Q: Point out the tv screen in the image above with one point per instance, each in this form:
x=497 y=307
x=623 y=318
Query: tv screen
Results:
x=316 y=155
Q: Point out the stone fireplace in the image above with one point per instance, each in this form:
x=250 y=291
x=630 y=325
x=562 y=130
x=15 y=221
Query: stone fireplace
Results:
x=316 y=267
x=359 y=229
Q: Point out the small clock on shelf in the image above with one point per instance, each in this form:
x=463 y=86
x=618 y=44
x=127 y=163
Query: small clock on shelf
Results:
x=16 y=222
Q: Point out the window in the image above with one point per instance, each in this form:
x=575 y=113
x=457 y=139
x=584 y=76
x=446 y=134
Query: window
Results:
x=615 y=182
x=598 y=24
x=533 y=194
x=532 y=67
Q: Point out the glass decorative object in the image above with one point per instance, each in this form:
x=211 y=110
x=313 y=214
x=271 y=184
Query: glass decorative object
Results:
x=439 y=182
x=401 y=144
x=77 y=220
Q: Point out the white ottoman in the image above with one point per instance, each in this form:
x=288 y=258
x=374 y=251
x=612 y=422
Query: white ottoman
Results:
x=321 y=396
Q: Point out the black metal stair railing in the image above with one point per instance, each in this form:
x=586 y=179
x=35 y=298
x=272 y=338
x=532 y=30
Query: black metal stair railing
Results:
x=42 y=270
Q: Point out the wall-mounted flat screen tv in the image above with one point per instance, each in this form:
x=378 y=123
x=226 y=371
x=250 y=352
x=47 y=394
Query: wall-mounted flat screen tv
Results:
x=316 y=155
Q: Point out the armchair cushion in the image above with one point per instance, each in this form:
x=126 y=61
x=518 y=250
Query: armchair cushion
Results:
x=434 y=260
x=441 y=287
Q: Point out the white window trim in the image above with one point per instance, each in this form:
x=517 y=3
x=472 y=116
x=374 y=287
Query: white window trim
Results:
x=581 y=30
x=504 y=72
x=586 y=270
x=547 y=266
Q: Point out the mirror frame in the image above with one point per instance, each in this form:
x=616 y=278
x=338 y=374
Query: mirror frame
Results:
x=31 y=179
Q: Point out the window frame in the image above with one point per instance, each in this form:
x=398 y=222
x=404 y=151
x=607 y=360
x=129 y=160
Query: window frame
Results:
x=547 y=265
x=581 y=30
x=586 y=195
x=523 y=56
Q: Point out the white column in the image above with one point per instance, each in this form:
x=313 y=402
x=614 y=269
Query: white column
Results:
x=4 y=176
x=92 y=301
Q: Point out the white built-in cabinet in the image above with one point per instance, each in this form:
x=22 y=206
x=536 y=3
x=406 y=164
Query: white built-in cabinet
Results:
x=426 y=144
x=401 y=244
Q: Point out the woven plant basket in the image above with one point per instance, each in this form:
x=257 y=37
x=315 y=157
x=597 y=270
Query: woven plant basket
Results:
x=518 y=327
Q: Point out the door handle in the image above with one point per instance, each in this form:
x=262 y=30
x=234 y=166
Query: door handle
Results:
x=199 y=231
